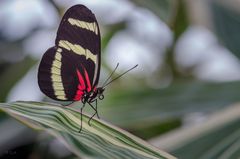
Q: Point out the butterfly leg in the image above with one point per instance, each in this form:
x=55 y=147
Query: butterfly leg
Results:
x=96 y=113
x=81 y=117
x=94 y=108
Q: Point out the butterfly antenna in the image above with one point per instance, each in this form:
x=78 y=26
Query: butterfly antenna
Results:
x=120 y=75
x=111 y=74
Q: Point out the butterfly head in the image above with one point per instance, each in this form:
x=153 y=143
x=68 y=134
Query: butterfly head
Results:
x=99 y=92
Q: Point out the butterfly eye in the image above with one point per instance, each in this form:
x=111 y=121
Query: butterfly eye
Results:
x=101 y=97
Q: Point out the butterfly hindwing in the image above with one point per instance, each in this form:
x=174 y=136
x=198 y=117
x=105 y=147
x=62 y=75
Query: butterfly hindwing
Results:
x=49 y=75
x=72 y=66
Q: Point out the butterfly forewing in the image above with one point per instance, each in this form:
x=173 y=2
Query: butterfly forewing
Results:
x=73 y=65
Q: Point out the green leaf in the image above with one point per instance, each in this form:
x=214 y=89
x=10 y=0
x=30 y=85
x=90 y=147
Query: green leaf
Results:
x=12 y=74
x=147 y=106
x=217 y=137
x=165 y=9
x=181 y=21
x=111 y=31
x=100 y=140
x=227 y=22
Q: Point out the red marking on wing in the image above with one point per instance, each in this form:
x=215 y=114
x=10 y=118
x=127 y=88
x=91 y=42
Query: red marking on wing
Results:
x=89 y=87
x=81 y=87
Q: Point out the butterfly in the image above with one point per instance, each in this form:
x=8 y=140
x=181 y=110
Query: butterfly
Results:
x=70 y=70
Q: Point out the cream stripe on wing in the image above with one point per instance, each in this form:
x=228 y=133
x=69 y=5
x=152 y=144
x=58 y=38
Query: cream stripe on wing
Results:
x=78 y=50
x=96 y=71
x=56 y=76
x=85 y=25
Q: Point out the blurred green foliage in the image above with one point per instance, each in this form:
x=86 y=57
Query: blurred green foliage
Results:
x=12 y=73
x=227 y=23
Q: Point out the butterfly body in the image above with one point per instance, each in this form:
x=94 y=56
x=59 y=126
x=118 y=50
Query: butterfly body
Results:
x=89 y=97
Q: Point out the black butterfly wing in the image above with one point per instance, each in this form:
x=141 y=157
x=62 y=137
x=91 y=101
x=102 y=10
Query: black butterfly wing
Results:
x=73 y=65
x=79 y=32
